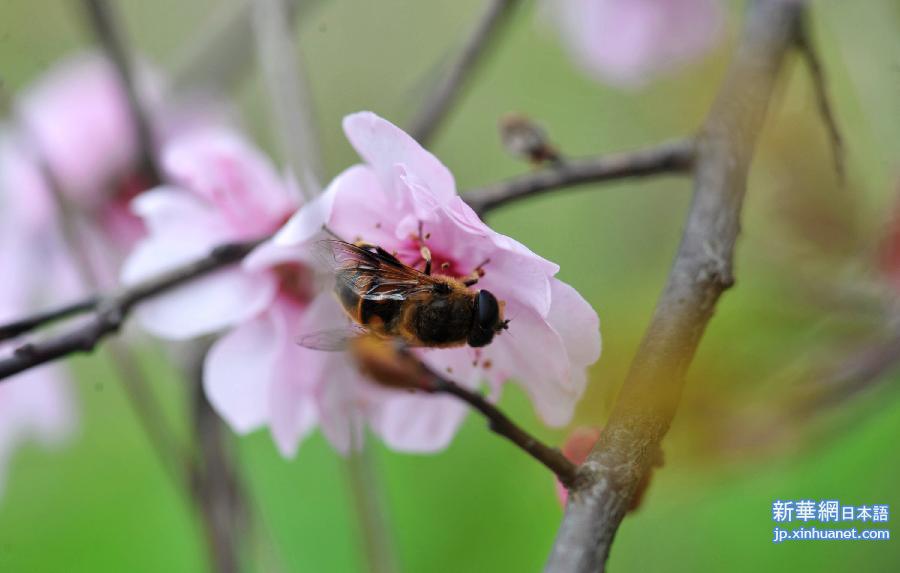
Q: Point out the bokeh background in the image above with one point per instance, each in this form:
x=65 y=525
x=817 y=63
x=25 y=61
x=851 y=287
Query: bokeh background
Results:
x=102 y=503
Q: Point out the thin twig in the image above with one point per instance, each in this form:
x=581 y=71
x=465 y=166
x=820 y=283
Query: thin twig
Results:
x=702 y=271
x=365 y=487
x=103 y=21
x=35 y=321
x=820 y=86
x=218 y=489
x=392 y=365
x=221 y=54
x=111 y=310
x=480 y=42
x=501 y=424
x=290 y=101
x=670 y=157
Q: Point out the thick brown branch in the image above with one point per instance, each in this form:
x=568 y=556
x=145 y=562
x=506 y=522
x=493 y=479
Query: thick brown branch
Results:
x=701 y=272
x=502 y=425
x=670 y=157
x=102 y=19
x=479 y=44
x=111 y=311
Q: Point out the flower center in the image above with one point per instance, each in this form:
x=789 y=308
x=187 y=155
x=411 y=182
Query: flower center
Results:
x=295 y=281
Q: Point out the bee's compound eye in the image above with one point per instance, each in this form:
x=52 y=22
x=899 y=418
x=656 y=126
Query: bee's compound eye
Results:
x=487 y=310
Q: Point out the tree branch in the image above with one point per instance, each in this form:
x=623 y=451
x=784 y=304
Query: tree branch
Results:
x=289 y=96
x=219 y=492
x=110 y=311
x=392 y=365
x=221 y=54
x=701 y=272
x=669 y=157
x=502 y=425
x=367 y=492
x=817 y=73
x=102 y=20
x=37 y=320
x=481 y=40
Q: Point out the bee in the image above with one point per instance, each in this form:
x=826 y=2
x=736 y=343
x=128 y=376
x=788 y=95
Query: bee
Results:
x=387 y=298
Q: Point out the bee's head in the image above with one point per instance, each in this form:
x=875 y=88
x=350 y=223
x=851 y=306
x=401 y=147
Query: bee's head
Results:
x=488 y=319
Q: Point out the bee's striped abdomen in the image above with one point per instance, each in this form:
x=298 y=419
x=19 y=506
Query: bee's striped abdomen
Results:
x=348 y=299
x=380 y=316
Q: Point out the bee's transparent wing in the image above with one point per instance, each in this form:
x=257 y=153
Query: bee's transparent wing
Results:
x=333 y=339
x=374 y=273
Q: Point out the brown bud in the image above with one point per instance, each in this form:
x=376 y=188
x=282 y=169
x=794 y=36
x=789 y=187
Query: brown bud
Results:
x=523 y=138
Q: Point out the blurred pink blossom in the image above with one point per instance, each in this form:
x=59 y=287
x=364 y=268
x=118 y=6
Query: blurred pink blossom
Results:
x=72 y=130
x=221 y=190
x=553 y=335
x=627 y=43
x=224 y=190
x=34 y=405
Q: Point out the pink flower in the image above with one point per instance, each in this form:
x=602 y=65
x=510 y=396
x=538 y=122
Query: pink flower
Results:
x=36 y=404
x=553 y=335
x=224 y=190
x=628 y=42
x=257 y=375
x=76 y=118
x=72 y=130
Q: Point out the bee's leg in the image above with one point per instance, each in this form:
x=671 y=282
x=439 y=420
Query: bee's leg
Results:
x=472 y=278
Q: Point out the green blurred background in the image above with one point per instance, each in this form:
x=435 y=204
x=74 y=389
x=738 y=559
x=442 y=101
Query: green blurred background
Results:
x=102 y=503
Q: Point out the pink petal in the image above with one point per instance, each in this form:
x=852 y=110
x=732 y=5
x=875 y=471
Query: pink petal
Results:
x=339 y=391
x=171 y=210
x=34 y=405
x=78 y=117
x=184 y=228
x=308 y=221
x=533 y=354
x=202 y=306
x=342 y=411
x=361 y=210
x=417 y=423
x=293 y=409
x=241 y=183
x=413 y=422
x=383 y=145
x=628 y=42
x=576 y=322
x=23 y=188
x=239 y=369
x=270 y=254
